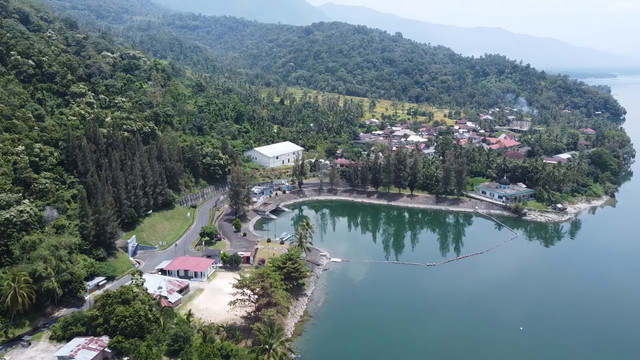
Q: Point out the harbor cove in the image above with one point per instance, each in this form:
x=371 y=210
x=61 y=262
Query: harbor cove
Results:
x=557 y=291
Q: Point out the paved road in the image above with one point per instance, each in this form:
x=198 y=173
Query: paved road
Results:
x=182 y=247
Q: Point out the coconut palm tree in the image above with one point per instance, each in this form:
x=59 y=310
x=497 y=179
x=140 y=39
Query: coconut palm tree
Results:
x=274 y=344
x=304 y=236
x=17 y=292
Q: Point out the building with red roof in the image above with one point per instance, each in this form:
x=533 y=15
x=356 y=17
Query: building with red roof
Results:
x=502 y=143
x=85 y=348
x=342 y=163
x=188 y=267
x=587 y=131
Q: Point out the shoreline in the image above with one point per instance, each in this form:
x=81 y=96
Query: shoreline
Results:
x=318 y=262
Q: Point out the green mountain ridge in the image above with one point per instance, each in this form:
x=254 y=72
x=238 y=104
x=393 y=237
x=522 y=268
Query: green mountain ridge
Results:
x=349 y=60
x=295 y=12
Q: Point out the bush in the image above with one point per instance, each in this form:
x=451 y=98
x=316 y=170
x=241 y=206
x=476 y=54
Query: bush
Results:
x=284 y=191
x=268 y=240
x=233 y=261
x=70 y=326
x=237 y=224
x=244 y=233
x=262 y=262
x=281 y=242
x=223 y=257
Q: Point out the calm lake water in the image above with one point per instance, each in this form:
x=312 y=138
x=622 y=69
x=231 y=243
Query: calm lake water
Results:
x=567 y=291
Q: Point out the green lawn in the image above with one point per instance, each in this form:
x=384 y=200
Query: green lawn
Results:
x=474 y=182
x=121 y=264
x=537 y=206
x=163 y=226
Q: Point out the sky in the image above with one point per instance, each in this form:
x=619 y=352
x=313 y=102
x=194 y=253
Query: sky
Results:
x=610 y=25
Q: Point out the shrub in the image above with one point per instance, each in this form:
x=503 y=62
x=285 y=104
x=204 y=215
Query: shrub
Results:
x=262 y=262
x=234 y=261
x=268 y=240
x=284 y=191
x=281 y=242
x=237 y=224
x=244 y=233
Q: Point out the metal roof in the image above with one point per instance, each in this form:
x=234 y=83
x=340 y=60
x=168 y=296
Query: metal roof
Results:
x=190 y=263
x=84 y=348
x=278 y=149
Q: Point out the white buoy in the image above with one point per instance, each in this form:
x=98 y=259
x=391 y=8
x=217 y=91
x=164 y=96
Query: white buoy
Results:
x=521 y=328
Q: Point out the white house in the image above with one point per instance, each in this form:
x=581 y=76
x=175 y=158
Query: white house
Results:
x=275 y=155
x=188 y=267
x=504 y=192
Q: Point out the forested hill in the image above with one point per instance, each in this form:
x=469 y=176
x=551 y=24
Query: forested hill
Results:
x=347 y=59
x=93 y=135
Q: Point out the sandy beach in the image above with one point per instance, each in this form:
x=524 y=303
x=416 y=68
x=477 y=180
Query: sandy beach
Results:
x=212 y=305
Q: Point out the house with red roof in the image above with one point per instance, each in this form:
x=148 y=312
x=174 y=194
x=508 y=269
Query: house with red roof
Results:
x=85 y=348
x=343 y=163
x=504 y=143
x=587 y=131
x=188 y=267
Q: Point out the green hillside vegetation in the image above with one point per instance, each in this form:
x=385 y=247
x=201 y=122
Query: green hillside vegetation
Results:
x=96 y=132
x=94 y=135
x=343 y=59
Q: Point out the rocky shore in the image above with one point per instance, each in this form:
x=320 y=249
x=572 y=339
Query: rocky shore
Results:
x=572 y=211
x=317 y=263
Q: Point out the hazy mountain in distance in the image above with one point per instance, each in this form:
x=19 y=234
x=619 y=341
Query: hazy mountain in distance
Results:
x=543 y=53
x=294 y=12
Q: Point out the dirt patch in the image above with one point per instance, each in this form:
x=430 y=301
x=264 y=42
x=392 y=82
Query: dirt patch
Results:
x=212 y=305
x=40 y=350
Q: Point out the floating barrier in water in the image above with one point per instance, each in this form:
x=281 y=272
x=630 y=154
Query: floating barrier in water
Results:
x=458 y=258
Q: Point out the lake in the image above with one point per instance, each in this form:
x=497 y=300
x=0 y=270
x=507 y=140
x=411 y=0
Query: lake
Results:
x=563 y=291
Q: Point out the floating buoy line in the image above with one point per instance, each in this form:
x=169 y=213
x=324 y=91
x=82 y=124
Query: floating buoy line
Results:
x=458 y=258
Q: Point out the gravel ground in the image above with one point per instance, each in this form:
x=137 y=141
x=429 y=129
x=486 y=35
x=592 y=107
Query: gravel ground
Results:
x=212 y=305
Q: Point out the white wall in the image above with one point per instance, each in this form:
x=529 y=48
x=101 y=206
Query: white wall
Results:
x=272 y=162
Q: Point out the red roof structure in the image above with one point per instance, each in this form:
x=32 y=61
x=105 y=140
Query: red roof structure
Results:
x=190 y=263
x=502 y=143
x=514 y=155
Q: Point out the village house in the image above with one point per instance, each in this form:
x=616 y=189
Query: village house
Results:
x=169 y=290
x=587 y=131
x=403 y=133
x=514 y=155
x=85 y=348
x=504 y=192
x=275 y=155
x=343 y=163
x=520 y=126
x=504 y=143
x=188 y=267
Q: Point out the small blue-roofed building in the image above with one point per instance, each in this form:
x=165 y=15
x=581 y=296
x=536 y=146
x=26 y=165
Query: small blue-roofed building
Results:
x=505 y=193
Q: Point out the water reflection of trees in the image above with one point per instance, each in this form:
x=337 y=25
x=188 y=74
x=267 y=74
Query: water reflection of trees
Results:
x=395 y=227
x=547 y=234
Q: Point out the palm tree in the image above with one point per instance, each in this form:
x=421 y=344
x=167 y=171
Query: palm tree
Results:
x=274 y=344
x=304 y=236
x=17 y=292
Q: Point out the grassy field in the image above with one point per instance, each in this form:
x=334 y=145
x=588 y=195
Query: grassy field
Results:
x=274 y=250
x=163 y=226
x=383 y=107
x=121 y=263
x=537 y=206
